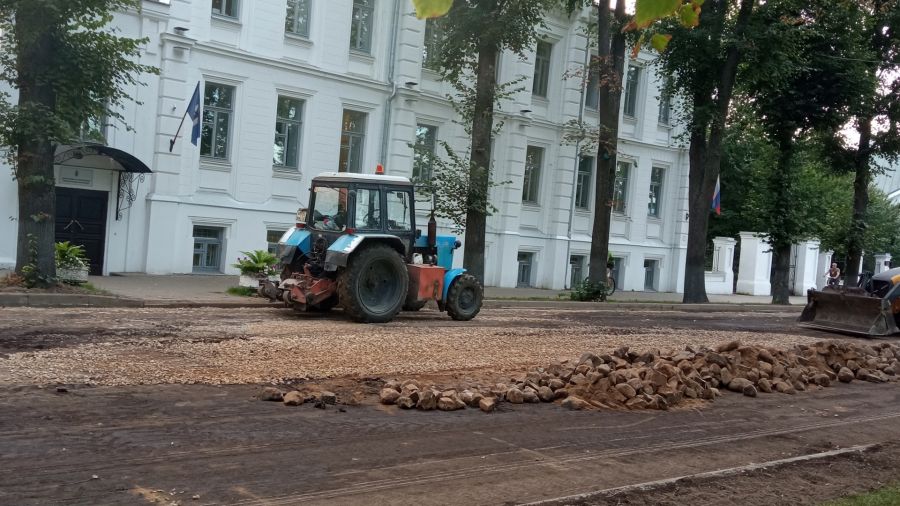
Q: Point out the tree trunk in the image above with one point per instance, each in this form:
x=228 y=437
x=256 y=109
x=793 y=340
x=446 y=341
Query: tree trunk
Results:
x=781 y=289
x=779 y=237
x=698 y=222
x=611 y=61
x=34 y=153
x=857 y=233
x=705 y=162
x=479 y=171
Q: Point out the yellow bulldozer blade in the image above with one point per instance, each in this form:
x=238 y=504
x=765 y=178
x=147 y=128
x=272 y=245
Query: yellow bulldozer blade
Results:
x=848 y=312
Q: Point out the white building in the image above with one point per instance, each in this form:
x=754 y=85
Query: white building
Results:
x=889 y=180
x=340 y=85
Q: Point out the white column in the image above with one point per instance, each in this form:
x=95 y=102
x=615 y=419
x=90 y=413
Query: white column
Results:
x=823 y=264
x=882 y=262
x=806 y=269
x=755 y=265
x=720 y=281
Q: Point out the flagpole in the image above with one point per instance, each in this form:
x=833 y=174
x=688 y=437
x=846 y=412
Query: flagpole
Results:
x=173 y=139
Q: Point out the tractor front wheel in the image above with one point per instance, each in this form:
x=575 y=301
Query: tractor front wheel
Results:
x=372 y=288
x=464 y=298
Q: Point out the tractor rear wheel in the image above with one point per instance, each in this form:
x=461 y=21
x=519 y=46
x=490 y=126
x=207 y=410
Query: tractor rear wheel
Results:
x=372 y=288
x=464 y=298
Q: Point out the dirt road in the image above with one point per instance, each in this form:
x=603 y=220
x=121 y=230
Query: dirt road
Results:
x=126 y=443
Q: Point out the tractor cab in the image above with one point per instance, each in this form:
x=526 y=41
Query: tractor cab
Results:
x=342 y=204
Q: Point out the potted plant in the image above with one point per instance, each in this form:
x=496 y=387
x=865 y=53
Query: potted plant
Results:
x=71 y=264
x=255 y=265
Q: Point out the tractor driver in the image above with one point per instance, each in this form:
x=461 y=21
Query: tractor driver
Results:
x=331 y=211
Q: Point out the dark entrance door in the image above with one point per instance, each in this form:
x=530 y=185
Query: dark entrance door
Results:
x=81 y=219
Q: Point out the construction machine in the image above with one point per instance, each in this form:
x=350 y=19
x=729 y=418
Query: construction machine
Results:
x=872 y=309
x=357 y=246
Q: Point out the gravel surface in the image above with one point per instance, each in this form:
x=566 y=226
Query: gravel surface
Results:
x=236 y=346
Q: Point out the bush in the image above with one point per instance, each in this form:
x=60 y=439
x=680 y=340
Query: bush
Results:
x=257 y=262
x=587 y=291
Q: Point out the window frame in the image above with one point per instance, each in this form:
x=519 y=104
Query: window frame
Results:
x=351 y=136
x=221 y=13
x=363 y=45
x=434 y=36
x=620 y=205
x=272 y=247
x=576 y=266
x=428 y=146
x=592 y=85
x=529 y=262
x=531 y=178
x=632 y=88
x=294 y=22
x=659 y=184
x=540 y=85
x=205 y=241
x=583 y=188
x=217 y=111
x=298 y=122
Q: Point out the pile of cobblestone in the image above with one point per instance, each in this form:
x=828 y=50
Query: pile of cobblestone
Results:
x=660 y=380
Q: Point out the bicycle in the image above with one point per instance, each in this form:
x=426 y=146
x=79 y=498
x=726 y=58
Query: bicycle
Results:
x=610 y=286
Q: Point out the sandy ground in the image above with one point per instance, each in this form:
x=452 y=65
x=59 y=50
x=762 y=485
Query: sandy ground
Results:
x=237 y=346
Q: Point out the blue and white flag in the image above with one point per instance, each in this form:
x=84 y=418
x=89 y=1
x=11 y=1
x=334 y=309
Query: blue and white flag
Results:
x=193 y=111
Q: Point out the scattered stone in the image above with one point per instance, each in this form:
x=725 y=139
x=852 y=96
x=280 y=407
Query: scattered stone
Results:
x=750 y=391
x=450 y=404
x=328 y=397
x=530 y=395
x=427 y=400
x=739 y=384
x=764 y=386
x=556 y=384
x=271 y=394
x=546 y=394
x=487 y=404
x=626 y=390
x=389 y=396
x=575 y=403
x=406 y=402
x=293 y=398
x=515 y=396
x=845 y=375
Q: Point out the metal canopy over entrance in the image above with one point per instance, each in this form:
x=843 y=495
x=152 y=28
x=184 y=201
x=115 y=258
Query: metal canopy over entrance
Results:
x=131 y=170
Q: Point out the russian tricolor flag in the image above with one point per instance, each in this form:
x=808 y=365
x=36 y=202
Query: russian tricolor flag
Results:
x=717 y=199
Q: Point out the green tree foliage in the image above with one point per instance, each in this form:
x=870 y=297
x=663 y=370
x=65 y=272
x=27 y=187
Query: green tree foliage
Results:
x=701 y=65
x=802 y=76
x=66 y=65
x=475 y=33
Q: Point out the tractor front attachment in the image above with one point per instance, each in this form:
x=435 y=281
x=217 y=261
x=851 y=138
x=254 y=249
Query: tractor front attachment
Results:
x=852 y=311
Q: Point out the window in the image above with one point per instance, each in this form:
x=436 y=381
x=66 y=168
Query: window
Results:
x=423 y=152
x=577 y=263
x=665 y=107
x=650 y=278
x=93 y=130
x=617 y=272
x=657 y=174
x=272 y=238
x=525 y=266
x=207 y=249
x=434 y=37
x=329 y=210
x=286 y=152
x=296 y=21
x=541 y=69
x=368 y=209
x=218 y=105
x=399 y=211
x=583 y=182
x=353 y=134
x=227 y=8
x=534 y=158
x=631 y=90
x=592 y=92
x=361 y=25
x=620 y=188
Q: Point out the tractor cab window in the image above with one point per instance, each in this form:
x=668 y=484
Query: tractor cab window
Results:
x=399 y=210
x=330 y=208
x=368 y=209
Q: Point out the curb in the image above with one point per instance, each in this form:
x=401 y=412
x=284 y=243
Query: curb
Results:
x=65 y=300
x=78 y=300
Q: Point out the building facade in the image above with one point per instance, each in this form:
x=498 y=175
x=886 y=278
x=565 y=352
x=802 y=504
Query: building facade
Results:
x=293 y=88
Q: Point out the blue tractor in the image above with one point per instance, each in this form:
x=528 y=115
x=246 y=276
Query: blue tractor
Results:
x=357 y=246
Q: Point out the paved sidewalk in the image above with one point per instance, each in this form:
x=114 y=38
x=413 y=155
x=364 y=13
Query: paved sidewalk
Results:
x=211 y=289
